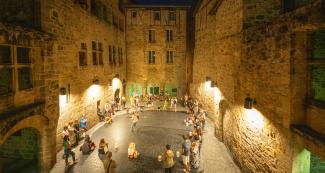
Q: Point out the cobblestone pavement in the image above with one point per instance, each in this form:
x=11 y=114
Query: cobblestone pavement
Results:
x=154 y=130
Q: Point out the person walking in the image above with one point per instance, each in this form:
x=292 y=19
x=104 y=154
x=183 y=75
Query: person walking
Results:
x=186 y=148
x=168 y=159
x=109 y=163
x=68 y=151
x=135 y=119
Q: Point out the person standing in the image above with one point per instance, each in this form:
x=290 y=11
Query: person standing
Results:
x=186 y=148
x=68 y=151
x=135 y=119
x=76 y=132
x=102 y=149
x=83 y=123
x=175 y=104
x=109 y=163
x=168 y=159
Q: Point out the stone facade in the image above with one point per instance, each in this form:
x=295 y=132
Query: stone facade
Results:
x=143 y=77
x=73 y=44
x=255 y=49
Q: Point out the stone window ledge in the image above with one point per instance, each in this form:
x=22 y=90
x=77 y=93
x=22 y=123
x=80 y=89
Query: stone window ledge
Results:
x=308 y=133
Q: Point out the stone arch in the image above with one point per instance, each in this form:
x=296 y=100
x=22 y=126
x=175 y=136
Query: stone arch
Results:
x=41 y=124
x=223 y=107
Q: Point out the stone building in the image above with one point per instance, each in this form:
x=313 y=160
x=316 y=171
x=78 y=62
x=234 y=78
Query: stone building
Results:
x=58 y=60
x=156 y=36
x=258 y=70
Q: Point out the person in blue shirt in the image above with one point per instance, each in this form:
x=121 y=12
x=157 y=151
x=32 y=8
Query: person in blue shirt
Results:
x=83 y=123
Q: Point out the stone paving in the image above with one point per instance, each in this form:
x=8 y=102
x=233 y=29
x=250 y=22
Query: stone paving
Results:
x=154 y=130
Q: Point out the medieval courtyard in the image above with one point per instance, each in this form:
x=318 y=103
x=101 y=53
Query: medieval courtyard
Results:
x=150 y=86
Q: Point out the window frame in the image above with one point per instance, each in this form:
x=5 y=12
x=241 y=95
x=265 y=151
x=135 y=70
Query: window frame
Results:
x=152 y=36
x=83 y=50
x=14 y=66
x=172 y=15
x=169 y=35
x=169 y=57
x=151 y=57
x=311 y=61
x=156 y=15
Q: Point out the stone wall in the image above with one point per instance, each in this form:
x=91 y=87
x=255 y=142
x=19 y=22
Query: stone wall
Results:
x=263 y=60
x=144 y=75
x=73 y=24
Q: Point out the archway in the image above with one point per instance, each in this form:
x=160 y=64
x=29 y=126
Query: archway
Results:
x=21 y=152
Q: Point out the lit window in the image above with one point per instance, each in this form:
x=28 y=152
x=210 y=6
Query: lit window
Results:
x=169 y=35
x=170 y=57
x=152 y=36
x=152 y=57
x=317 y=67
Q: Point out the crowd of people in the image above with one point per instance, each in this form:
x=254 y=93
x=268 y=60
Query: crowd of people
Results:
x=191 y=146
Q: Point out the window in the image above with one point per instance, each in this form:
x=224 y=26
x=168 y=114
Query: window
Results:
x=114 y=55
x=156 y=90
x=94 y=53
x=121 y=25
x=97 y=53
x=21 y=66
x=83 y=55
x=289 y=5
x=172 y=16
x=120 y=56
x=169 y=35
x=156 y=15
x=317 y=67
x=152 y=36
x=110 y=55
x=152 y=57
x=134 y=14
x=100 y=54
x=169 y=57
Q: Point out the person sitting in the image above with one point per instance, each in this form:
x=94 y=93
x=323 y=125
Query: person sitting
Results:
x=100 y=115
x=88 y=146
x=132 y=152
x=83 y=123
x=108 y=119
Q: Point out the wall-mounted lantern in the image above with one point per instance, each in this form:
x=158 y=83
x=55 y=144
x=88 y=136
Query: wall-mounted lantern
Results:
x=208 y=79
x=96 y=81
x=117 y=76
x=249 y=102
x=63 y=91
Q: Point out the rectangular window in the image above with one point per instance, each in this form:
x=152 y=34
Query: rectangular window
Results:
x=134 y=14
x=95 y=62
x=83 y=54
x=100 y=54
x=120 y=56
x=152 y=57
x=15 y=68
x=170 y=57
x=23 y=55
x=169 y=35
x=156 y=15
x=114 y=55
x=110 y=55
x=6 y=84
x=82 y=58
x=5 y=54
x=152 y=36
x=25 y=78
x=156 y=90
x=94 y=53
x=172 y=16
x=317 y=67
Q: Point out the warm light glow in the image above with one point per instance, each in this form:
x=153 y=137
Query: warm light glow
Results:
x=63 y=100
x=207 y=85
x=217 y=95
x=94 y=91
x=254 y=119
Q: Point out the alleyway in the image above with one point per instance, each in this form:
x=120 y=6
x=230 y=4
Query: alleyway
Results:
x=155 y=129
